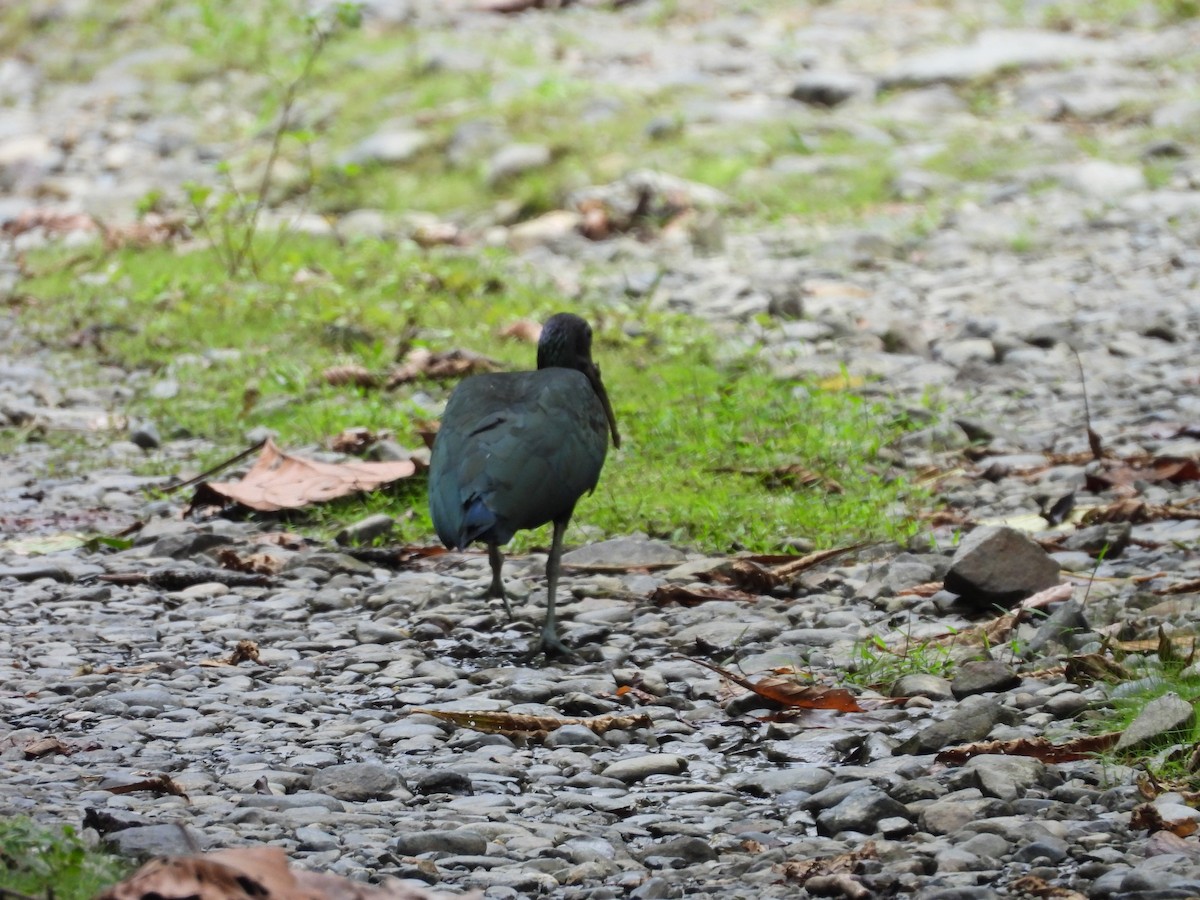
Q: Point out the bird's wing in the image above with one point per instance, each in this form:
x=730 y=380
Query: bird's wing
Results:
x=527 y=444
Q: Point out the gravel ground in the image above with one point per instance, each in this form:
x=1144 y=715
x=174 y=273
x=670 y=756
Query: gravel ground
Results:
x=316 y=746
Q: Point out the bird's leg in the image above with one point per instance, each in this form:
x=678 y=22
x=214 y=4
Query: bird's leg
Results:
x=548 y=641
x=496 y=588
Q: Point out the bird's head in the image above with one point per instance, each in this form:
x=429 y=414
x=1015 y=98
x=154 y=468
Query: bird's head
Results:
x=566 y=343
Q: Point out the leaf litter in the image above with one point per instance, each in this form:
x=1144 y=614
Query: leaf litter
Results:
x=280 y=481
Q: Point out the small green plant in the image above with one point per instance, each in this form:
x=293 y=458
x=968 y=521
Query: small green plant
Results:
x=52 y=862
x=230 y=218
x=877 y=665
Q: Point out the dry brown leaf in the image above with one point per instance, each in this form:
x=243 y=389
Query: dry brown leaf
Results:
x=525 y=330
x=162 y=785
x=928 y=589
x=355 y=375
x=152 y=230
x=750 y=576
x=1033 y=886
x=1092 y=667
x=533 y=727
x=288 y=540
x=255 y=563
x=44 y=747
x=244 y=651
x=1180 y=587
x=802 y=870
x=1148 y=817
x=50 y=220
x=139 y=669
x=804 y=563
x=354 y=441
x=1146 y=469
x=254 y=873
x=279 y=480
x=424 y=363
x=1038 y=748
x=686 y=595
x=789 y=477
x=788 y=692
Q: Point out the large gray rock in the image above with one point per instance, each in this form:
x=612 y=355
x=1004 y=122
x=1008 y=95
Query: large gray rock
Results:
x=999 y=566
x=970 y=721
x=1160 y=720
x=860 y=811
x=356 y=781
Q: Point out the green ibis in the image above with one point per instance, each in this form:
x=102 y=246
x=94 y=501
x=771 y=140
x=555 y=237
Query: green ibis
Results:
x=517 y=450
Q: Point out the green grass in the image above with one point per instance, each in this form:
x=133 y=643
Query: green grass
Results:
x=877 y=666
x=684 y=414
x=53 y=862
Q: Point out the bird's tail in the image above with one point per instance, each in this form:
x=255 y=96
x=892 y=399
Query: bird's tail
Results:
x=477 y=521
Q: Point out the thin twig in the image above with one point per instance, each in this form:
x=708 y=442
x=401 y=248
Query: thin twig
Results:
x=285 y=115
x=196 y=479
x=1094 y=442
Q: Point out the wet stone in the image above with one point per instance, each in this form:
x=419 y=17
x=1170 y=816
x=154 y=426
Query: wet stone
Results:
x=356 y=781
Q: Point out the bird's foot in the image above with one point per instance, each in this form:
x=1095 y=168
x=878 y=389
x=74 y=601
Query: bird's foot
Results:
x=550 y=645
x=495 y=593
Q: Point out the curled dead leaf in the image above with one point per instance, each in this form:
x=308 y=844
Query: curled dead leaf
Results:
x=789 y=477
x=354 y=375
x=525 y=330
x=533 y=727
x=789 y=692
x=279 y=480
x=1038 y=748
x=353 y=441
x=424 y=363
x=750 y=576
x=162 y=785
x=255 y=873
x=45 y=747
x=694 y=595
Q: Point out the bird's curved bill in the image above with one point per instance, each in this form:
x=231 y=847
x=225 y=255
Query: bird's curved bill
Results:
x=593 y=374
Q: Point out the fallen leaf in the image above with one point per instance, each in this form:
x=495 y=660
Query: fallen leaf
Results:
x=533 y=727
x=161 y=785
x=525 y=330
x=278 y=480
x=1038 y=748
x=928 y=589
x=49 y=220
x=424 y=363
x=804 y=563
x=355 y=375
x=288 y=540
x=686 y=595
x=750 y=576
x=44 y=747
x=354 y=441
x=255 y=873
x=789 y=692
x=1033 y=886
x=802 y=870
x=790 y=476
x=1181 y=587
x=1148 y=817
x=1089 y=668
x=256 y=563
x=244 y=651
